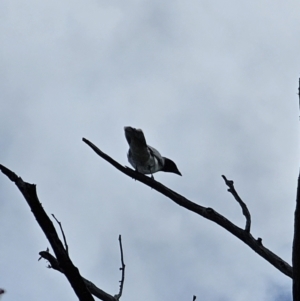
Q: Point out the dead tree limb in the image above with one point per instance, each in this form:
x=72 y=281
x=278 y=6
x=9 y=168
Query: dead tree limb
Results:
x=122 y=268
x=296 y=248
x=97 y=292
x=296 y=242
x=245 y=210
x=209 y=213
x=70 y=271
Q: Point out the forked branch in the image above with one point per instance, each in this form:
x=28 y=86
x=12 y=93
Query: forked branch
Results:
x=70 y=271
x=97 y=292
x=209 y=213
x=63 y=233
x=62 y=263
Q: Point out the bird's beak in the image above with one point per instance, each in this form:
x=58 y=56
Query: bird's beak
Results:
x=178 y=172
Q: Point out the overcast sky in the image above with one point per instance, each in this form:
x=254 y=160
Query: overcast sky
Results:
x=213 y=85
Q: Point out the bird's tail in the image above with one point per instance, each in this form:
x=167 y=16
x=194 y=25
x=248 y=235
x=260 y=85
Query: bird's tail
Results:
x=136 y=135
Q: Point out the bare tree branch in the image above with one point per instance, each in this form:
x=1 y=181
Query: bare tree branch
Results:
x=245 y=210
x=97 y=292
x=122 y=268
x=208 y=213
x=296 y=248
x=194 y=298
x=63 y=234
x=71 y=272
x=296 y=242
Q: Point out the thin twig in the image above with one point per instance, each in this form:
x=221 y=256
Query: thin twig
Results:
x=63 y=234
x=207 y=213
x=245 y=210
x=122 y=268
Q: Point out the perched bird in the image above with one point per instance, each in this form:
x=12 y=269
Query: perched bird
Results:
x=144 y=158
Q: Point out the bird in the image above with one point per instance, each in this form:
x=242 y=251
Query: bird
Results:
x=145 y=158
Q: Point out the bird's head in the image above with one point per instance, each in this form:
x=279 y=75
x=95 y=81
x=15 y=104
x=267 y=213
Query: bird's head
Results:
x=170 y=166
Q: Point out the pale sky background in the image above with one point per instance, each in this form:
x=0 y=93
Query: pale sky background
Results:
x=213 y=85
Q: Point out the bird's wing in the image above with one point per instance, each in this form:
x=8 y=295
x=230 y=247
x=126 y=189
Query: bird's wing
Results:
x=155 y=153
